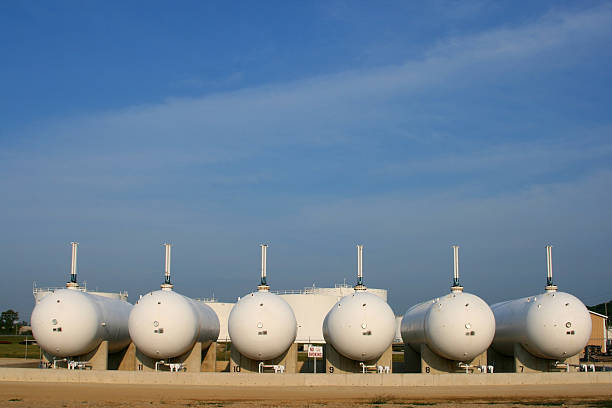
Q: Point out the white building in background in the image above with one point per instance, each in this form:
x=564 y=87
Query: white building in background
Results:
x=309 y=305
x=398 y=330
x=222 y=309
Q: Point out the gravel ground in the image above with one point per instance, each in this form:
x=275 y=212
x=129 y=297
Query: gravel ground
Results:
x=19 y=394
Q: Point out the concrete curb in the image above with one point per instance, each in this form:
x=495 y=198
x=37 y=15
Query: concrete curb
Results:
x=298 y=380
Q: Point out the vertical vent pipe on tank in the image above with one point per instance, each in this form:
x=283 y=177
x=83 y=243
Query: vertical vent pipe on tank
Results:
x=263 y=285
x=73 y=267
x=360 y=285
x=550 y=286
x=167 y=285
x=456 y=286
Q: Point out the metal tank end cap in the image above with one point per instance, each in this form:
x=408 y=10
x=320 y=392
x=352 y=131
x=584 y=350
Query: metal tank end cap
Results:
x=456 y=289
x=166 y=286
x=263 y=288
x=72 y=285
x=360 y=287
x=551 y=288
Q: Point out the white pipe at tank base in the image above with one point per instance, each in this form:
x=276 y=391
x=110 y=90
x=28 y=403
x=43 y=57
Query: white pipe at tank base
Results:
x=56 y=360
x=365 y=368
x=465 y=366
x=566 y=366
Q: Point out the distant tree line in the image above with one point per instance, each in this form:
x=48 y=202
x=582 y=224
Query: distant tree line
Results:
x=9 y=322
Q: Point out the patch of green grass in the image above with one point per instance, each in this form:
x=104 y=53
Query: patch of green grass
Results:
x=15 y=399
x=16 y=350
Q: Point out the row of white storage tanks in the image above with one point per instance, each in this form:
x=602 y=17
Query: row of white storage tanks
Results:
x=361 y=326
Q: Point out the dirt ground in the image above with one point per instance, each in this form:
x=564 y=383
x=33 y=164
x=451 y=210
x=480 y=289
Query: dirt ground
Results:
x=18 y=394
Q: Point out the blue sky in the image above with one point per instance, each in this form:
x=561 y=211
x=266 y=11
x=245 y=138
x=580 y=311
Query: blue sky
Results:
x=311 y=126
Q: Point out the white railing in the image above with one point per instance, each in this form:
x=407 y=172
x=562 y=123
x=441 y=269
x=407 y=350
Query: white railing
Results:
x=36 y=289
x=82 y=287
x=207 y=300
x=308 y=290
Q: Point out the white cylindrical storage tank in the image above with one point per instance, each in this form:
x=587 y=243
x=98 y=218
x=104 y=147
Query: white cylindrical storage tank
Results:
x=164 y=324
x=70 y=323
x=360 y=326
x=552 y=325
x=262 y=325
x=458 y=326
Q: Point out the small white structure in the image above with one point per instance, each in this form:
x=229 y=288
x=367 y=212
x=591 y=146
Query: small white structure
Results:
x=312 y=304
x=223 y=310
x=398 y=330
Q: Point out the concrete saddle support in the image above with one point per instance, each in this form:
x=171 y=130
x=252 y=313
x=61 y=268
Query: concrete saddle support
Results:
x=97 y=359
x=197 y=359
x=428 y=362
x=524 y=362
x=339 y=364
x=243 y=364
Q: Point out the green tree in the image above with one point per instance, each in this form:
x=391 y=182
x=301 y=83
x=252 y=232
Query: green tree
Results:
x=8 y=321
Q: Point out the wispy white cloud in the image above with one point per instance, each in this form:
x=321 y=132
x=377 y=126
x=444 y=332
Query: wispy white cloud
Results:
x=530 y=158
x=558 y=29
x=137 y=146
